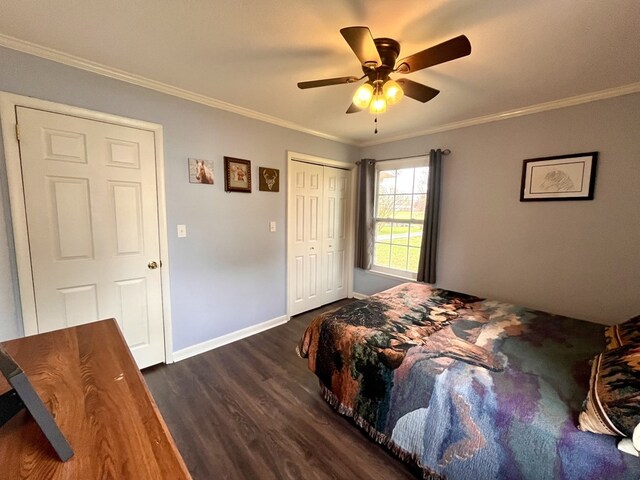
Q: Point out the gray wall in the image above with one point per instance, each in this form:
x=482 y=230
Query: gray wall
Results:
x=230 y=272
x=574 y=258
x=578 y=258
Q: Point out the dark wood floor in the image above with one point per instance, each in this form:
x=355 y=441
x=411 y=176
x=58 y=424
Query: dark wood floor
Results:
x=252 y=410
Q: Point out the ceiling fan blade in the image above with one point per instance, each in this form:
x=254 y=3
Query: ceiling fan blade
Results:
x=353 y=109
x=416 y=90
x=326 y=82
x=361 y=42
x=444 y=52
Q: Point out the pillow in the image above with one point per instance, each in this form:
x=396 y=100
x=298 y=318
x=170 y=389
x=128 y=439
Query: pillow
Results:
x=623 y=334
x=612 y=406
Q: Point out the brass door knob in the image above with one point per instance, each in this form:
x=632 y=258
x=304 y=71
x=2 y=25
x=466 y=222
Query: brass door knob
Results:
x=152 y=265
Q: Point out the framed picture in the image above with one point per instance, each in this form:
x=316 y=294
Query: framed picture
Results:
x=201 y=171
x=269 y=179
x=237 y=175
x=565 y=177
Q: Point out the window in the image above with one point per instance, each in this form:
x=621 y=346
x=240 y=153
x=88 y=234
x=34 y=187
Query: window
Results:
x=401 y=199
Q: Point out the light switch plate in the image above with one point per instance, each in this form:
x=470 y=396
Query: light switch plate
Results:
x=182 y=231
x=272 y=226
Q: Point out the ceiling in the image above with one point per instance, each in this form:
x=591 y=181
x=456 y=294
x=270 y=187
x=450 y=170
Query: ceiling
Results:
x=251 y=53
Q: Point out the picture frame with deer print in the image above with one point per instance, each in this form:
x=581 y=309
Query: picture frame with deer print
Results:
x=268 y=179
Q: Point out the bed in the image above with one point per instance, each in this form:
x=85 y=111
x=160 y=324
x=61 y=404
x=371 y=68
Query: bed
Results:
x=465 y=388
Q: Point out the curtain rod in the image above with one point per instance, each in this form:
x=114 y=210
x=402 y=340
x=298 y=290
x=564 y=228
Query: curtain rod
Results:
x=446 y=151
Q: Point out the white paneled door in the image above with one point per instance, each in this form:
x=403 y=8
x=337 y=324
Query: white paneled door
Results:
x=318 y=207
x=92 y=218
x=334 y=233
x=305 y=237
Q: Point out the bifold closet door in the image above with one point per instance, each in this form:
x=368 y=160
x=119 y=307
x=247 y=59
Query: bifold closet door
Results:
x=317 y=235
x=305 y=237
x=334 y=234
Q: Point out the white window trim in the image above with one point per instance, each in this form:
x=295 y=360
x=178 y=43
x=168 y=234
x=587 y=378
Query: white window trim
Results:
x=396 y=164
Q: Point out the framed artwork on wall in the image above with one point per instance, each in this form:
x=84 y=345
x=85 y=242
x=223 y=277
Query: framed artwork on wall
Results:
x=237 y=175
x=564 y=177
x=201 y=171
x=269 y=179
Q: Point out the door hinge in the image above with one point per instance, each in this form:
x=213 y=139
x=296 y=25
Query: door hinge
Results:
x=17 y=131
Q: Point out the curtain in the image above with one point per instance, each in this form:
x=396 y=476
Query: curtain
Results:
x=429 y=248
x=365 y=214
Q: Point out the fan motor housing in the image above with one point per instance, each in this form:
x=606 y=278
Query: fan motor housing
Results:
x=389 y=49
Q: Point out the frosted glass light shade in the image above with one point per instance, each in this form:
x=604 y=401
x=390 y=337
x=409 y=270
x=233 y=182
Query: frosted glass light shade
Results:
x=363 y=95
x=378 y=104
x=392 y=92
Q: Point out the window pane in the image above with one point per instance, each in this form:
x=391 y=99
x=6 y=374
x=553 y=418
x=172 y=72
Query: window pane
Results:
x=381 y=254
x=414 y=257
x=400 y=234
x=398 y=257
x=402 y=207
x=419 y=204
x=404 y=180
x=421 y=180
x=415 y=238
x=386 y=181
x=383 y=232
x=385 y=206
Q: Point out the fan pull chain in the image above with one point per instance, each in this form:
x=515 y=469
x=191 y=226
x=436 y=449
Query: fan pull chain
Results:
x=375 y=123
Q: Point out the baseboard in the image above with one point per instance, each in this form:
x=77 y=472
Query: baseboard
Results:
x=228 y=338
x=360 y=296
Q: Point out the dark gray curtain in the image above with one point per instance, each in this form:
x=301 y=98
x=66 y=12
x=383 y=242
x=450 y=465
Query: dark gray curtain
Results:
x=365 y=214
x=429 y=248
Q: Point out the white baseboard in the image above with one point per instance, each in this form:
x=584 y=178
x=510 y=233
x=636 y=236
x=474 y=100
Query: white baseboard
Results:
x=228 y=338
x=360 y=296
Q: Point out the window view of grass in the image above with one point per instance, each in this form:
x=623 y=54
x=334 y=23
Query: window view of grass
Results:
x=400 y=208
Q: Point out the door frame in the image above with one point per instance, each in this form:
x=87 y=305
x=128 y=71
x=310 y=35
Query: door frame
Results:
x=8 y=124
x=325 y=162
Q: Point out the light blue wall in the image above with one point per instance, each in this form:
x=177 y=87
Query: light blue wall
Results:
x=230 y=272
x=575 y=258
x=368 y=283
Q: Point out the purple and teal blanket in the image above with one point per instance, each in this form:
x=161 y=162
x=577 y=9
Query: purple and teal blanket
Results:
x=465 y=388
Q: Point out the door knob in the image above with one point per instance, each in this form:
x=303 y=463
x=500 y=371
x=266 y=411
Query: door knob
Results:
x=152 y=265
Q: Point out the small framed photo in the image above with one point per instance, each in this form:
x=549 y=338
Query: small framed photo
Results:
x=565 y=177
x=201 y=171
x=269 y=179
x=237 y=175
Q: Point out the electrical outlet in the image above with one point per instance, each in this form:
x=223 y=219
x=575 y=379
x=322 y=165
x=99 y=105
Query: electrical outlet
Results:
x=272 y=226
x=182 y=231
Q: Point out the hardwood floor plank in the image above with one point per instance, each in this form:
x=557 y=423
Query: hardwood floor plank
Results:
x=252 y=410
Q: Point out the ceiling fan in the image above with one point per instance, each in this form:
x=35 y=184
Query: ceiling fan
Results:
x=378 y=59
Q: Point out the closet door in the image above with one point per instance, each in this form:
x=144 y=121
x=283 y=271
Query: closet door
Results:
x=334 y=241
x=305 y=237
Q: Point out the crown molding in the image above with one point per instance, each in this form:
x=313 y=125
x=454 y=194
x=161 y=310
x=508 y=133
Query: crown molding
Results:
x=518 y=112
x=106 y=71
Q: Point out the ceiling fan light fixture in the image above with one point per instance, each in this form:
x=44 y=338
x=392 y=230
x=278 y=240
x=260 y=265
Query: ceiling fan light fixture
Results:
x=362 y=97
x=393 y=93
x=378 y=104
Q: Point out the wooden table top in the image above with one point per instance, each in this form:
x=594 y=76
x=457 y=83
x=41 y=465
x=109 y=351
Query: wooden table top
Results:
x=88 y=380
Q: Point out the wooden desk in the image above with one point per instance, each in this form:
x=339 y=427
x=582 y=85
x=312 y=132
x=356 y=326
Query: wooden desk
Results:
x=88 y=380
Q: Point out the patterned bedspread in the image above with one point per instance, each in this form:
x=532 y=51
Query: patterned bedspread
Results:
x=463 y=387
